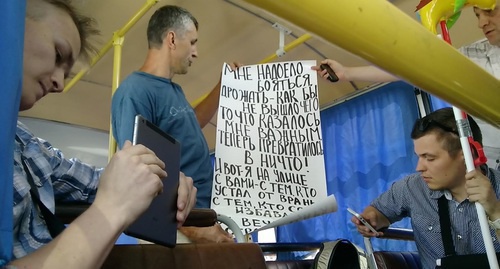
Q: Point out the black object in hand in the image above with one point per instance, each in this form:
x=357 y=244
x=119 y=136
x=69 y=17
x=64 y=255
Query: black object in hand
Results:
x=331 y=74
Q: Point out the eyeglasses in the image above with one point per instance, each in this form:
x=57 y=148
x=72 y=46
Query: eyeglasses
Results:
x=425 y=124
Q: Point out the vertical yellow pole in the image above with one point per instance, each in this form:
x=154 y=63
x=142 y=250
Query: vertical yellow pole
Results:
x=117 y=59
x=121 y=32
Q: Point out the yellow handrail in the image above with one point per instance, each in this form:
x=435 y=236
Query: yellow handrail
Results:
x=117 y=42
x=301 y=39
x=120 y=33
x=382 y=34
x=117 y=59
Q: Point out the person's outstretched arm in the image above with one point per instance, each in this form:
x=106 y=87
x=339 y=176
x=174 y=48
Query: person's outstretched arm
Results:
x=206 y=109
x=360 y=73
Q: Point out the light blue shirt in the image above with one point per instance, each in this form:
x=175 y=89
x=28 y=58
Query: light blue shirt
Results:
x=163 y=103
x=57 y=178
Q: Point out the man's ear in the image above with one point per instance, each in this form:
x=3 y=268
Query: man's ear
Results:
x=169 y=40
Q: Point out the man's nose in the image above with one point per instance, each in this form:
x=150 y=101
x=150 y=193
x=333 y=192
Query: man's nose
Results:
x=194 y=54
x=482 y=20
x=57 y=80
x=420 y=166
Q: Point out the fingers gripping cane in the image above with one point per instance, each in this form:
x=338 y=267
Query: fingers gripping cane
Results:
x=468 y=147
x=467 y=142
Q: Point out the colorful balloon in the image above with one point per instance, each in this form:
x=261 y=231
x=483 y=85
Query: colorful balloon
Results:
x=434 y=11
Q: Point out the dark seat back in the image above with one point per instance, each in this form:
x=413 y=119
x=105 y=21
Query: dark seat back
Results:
x=397 y=260
x=197 y=256
x=299 y=264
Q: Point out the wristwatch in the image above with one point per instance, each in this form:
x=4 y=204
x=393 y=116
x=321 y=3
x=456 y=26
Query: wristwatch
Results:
x=495 y=224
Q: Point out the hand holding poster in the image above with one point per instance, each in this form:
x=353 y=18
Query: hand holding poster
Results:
x=269 y=152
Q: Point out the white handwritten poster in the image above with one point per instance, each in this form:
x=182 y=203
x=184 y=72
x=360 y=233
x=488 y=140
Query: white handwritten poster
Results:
x=269 y=152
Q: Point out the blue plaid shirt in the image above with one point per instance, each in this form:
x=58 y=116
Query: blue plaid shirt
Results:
x=410 y=197
x=57 y=178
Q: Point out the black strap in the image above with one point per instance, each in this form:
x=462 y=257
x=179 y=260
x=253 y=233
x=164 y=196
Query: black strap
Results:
x=54 y=225
x=444 y=220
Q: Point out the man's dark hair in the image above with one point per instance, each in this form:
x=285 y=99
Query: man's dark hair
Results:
x=168 y=18
x=442 y=122
x=86 y=25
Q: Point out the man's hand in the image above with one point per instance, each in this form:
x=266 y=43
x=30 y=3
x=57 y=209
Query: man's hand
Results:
x=234 y=66
x=367 y=73
x=186 y=199
x=338 y=68
x=206 y=109
x=479 y=189
x=212 y=234
x=129 y=183
x=375 y=218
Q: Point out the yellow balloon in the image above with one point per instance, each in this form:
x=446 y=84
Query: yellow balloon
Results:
x=441 y=10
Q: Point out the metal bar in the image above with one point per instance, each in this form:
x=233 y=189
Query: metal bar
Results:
x=117 y=59
x=301 y=39
x=120 y=33
x=396 y=40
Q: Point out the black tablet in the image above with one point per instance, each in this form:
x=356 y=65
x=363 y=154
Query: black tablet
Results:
x=158 y=224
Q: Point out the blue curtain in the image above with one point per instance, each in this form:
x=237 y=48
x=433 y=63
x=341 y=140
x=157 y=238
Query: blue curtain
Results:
x=11 y=46
x=437 y=103
x=367 y=147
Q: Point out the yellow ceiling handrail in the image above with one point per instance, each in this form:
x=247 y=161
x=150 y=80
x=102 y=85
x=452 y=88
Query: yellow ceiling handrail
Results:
x=301 y=39
x=118 y=34
x=380 y=33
